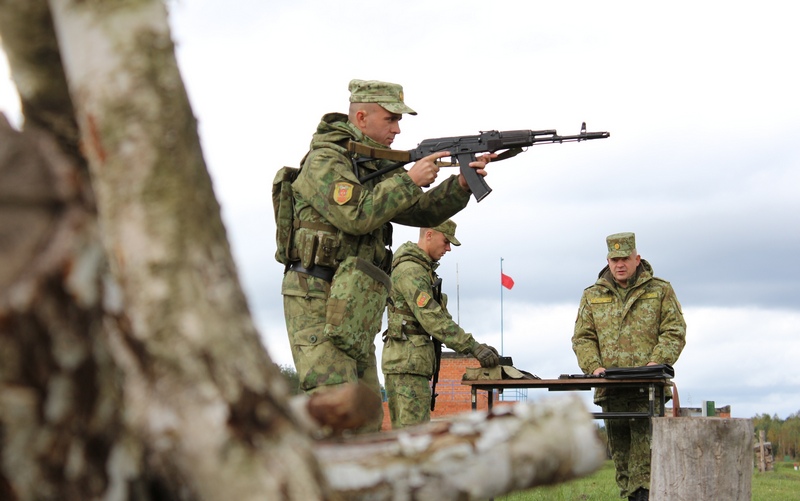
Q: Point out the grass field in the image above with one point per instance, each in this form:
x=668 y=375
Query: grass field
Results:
x=783 y=484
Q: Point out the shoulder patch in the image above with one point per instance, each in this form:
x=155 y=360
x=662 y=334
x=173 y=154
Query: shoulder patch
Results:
x=422 y=299
x=600 y=300
x=342 y=192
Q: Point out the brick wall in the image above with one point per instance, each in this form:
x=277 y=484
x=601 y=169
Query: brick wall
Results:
x=454 y=397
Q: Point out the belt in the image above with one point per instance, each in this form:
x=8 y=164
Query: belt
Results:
x=323 y=272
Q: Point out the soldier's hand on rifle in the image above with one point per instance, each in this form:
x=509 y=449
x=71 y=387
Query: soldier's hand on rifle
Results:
x=486 y=355
x=478 y=165
x=424 y=171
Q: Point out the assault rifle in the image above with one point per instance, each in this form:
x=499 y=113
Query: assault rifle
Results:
x=464 y=149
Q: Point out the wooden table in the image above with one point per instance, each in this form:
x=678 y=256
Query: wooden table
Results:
x=655 y=388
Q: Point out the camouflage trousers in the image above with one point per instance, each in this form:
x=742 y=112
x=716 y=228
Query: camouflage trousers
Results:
x=629 y=441
x=409 y=398
x=319 y=364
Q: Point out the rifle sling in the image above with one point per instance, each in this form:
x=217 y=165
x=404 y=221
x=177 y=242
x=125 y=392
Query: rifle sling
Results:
x=437 y=346
x=511 y=152
x=400 y=158
x=384 y=154
x=374 y=273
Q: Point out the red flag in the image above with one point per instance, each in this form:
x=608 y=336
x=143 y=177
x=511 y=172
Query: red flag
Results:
x=506 y=281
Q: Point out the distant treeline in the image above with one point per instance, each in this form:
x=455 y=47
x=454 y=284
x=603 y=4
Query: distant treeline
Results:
x=784 y=434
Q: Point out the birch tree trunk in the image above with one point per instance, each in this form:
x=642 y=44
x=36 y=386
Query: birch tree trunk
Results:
x=191 y=393
x=130 y=367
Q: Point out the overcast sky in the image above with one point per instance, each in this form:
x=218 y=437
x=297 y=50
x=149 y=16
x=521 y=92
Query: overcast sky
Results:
x=703 y=162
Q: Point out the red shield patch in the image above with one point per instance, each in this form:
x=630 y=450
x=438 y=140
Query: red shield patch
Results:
x=342 y=193
x=422 y=299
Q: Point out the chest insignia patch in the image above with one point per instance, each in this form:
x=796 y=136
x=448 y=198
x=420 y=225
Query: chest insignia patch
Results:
x=422 y=299
x=342 y=193
x=600 y=300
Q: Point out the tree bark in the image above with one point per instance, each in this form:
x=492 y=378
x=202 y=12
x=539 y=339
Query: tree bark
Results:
x=161 y=301
x=201 y=383
x=59 y=411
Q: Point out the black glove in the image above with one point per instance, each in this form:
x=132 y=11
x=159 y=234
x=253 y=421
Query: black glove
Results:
x=486 y=355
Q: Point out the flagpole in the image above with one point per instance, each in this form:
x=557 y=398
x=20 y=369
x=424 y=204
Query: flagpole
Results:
x=501 y=314
x=501 y=306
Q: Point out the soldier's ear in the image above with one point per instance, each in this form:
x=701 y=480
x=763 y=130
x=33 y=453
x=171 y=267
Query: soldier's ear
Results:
x=360 y=117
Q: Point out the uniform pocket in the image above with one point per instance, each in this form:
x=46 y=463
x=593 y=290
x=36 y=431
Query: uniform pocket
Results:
x=355 y=307
x=422 y=358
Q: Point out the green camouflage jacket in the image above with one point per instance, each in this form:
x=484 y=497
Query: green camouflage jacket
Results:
x=628 y=327
x=416 y=316
x=341 y=217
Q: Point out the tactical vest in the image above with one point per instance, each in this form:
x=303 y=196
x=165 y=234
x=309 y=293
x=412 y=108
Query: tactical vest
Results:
x=408 y=323
x=286 y=224
x=315 y=242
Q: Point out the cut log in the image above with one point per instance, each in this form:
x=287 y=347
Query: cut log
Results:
x=475 y=456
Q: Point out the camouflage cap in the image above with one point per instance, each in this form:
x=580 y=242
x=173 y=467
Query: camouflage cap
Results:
x=388 y=95
x=621 y=244
x=448 y=229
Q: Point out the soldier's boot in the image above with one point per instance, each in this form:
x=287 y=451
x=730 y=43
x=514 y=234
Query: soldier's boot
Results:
x=641 y=494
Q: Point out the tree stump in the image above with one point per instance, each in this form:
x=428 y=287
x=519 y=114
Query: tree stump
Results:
x=701 y=458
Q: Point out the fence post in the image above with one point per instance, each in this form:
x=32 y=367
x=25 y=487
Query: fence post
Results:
x=701 y=458
x=762 y=457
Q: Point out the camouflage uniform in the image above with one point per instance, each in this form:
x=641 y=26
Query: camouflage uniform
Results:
x=342 y=229
x=628 y=327
x=408 y=358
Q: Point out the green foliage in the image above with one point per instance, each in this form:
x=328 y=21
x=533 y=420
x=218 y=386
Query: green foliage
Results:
x=783 y=434
x=782 y=484
x=292 y=378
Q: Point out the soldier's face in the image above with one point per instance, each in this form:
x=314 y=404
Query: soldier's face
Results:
x=378 y=124
x=438 y=245
x=623 y=268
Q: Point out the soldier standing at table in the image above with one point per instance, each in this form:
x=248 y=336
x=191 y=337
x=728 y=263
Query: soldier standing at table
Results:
x=628 y=318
